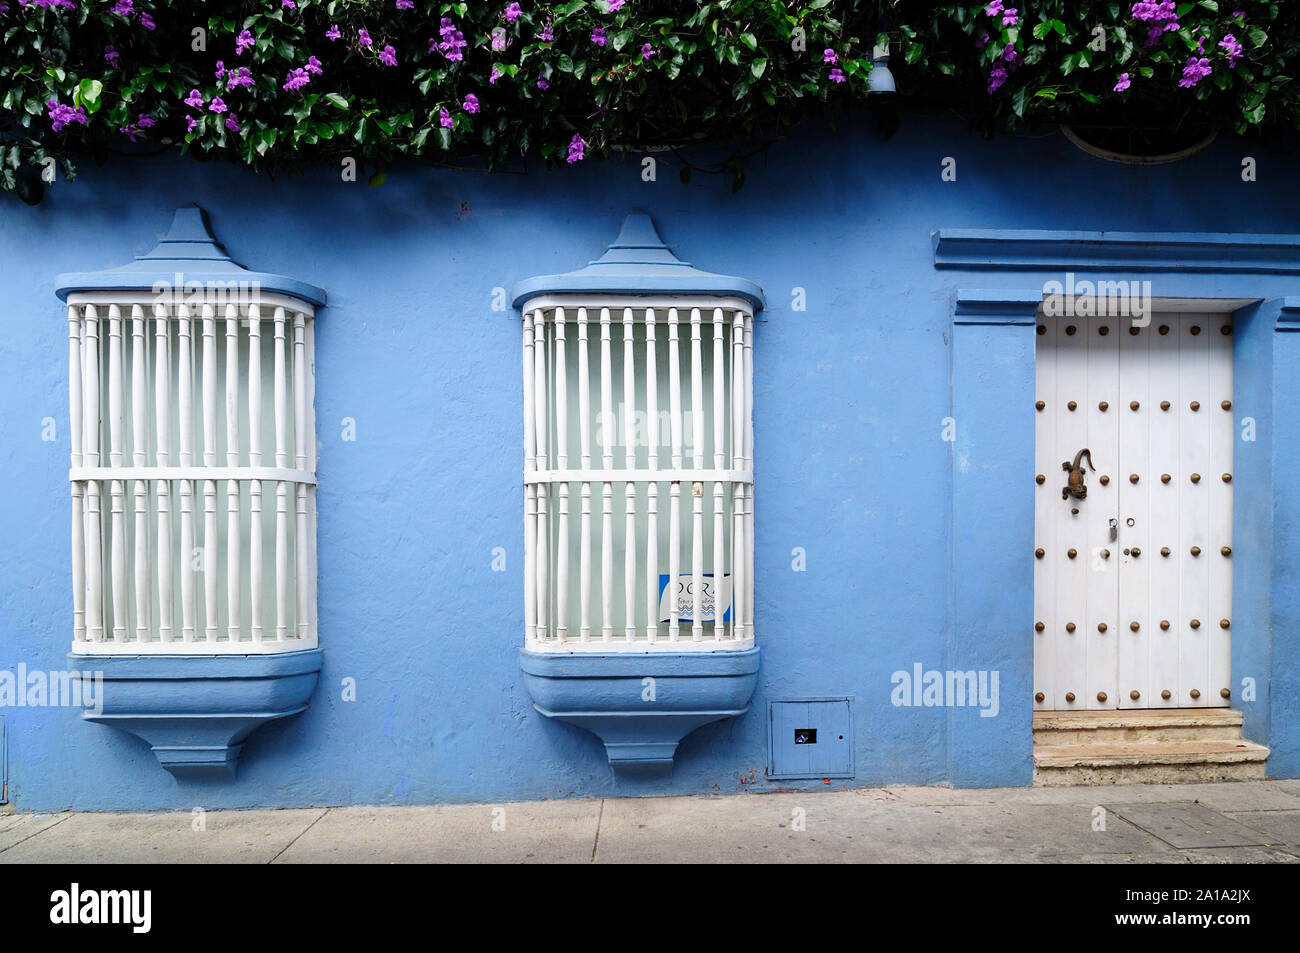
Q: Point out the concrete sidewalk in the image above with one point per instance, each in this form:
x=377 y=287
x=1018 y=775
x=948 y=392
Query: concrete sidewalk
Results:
x=1238 y=822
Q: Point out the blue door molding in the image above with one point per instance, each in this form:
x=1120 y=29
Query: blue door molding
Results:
x=992 y=521
x=992 y=531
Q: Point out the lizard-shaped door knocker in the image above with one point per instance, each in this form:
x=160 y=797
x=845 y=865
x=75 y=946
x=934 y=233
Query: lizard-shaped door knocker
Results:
x=1074 y=486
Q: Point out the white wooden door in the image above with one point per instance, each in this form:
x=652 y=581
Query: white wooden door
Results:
x=1133 y=582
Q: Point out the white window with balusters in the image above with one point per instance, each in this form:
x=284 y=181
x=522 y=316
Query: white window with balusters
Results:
x=193 y=474
x=638 y=473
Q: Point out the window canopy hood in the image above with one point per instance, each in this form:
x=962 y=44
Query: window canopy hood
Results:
x=189 y=251
x=637 y=263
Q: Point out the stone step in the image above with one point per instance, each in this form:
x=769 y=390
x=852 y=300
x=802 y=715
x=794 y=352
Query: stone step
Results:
x=1118 y=727
x=1150 y=762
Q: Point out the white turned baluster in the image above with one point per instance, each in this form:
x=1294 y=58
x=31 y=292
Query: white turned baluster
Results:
x=675 y=488
x=185 y=396
x=719 y=462
x=255 y=460
x=163 y=488
x=282 y=488
x=530 y=489
x=210 y=541
x=115 y=413
x=738 y=551
x=749 y=463
x=232 y=486
x=584 y=436
x=652 y=490
x=541 y=407
x=697 y=489
x=75 y=409
x=117 y=524
x=608 y=432
x=139 y=458
x=302 y=560
x=313 y=611
x=629 y=488
x=561 y=462
x=90 y=455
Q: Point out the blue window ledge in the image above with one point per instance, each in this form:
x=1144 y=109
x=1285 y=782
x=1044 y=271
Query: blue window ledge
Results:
x=195 y=711
x=641 y=704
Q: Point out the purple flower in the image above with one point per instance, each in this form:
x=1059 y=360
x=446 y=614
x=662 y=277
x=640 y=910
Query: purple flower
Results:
x=1232 y=47
x=364 y=37
x=221 y=70
x=615 y=6
x=146 y=21
x=598 y=36
x=471 y=104
x=547 y=34
x=1009 y=17
x=837 y=75
x=997 y=76
x=648 y=51
x=61 y=115
x=333 y=33
x=193 y=123
x=406 y=4
x=194 y=100
x=1195 y=71
x=512 y=13
x=829 y=57
x=575 y=149
x=290 y=5
x=389 y=56
x=241 y=78
x=498 y=40
x=313 y=65
x=1161 y=17
x=111 y=56
x=452 y=41
x=496 y=74
x=243 y=42
x=232 y=123
x=1123 y=83
x=543 y=84
x=296 y=79
x=129 y=132
x=123 y=8
x=144 y=121
x=445 y=119
x=216 y=106
x=982 y=42
x=1010 y=56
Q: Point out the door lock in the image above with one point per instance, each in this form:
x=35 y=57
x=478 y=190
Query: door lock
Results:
x=1114 y=530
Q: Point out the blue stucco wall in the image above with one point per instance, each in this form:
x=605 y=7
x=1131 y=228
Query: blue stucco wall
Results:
x=850 y=398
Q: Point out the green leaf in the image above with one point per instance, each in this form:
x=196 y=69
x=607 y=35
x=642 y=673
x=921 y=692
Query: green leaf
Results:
x=914 y=51
x=757 y=68
x=337 y=100
x=376 y=180
x=749 y=40
x=1042 y=29
x=87 y=94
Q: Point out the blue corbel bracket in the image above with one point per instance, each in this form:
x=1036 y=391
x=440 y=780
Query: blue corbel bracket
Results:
x=642 y=704
x=195 y=711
